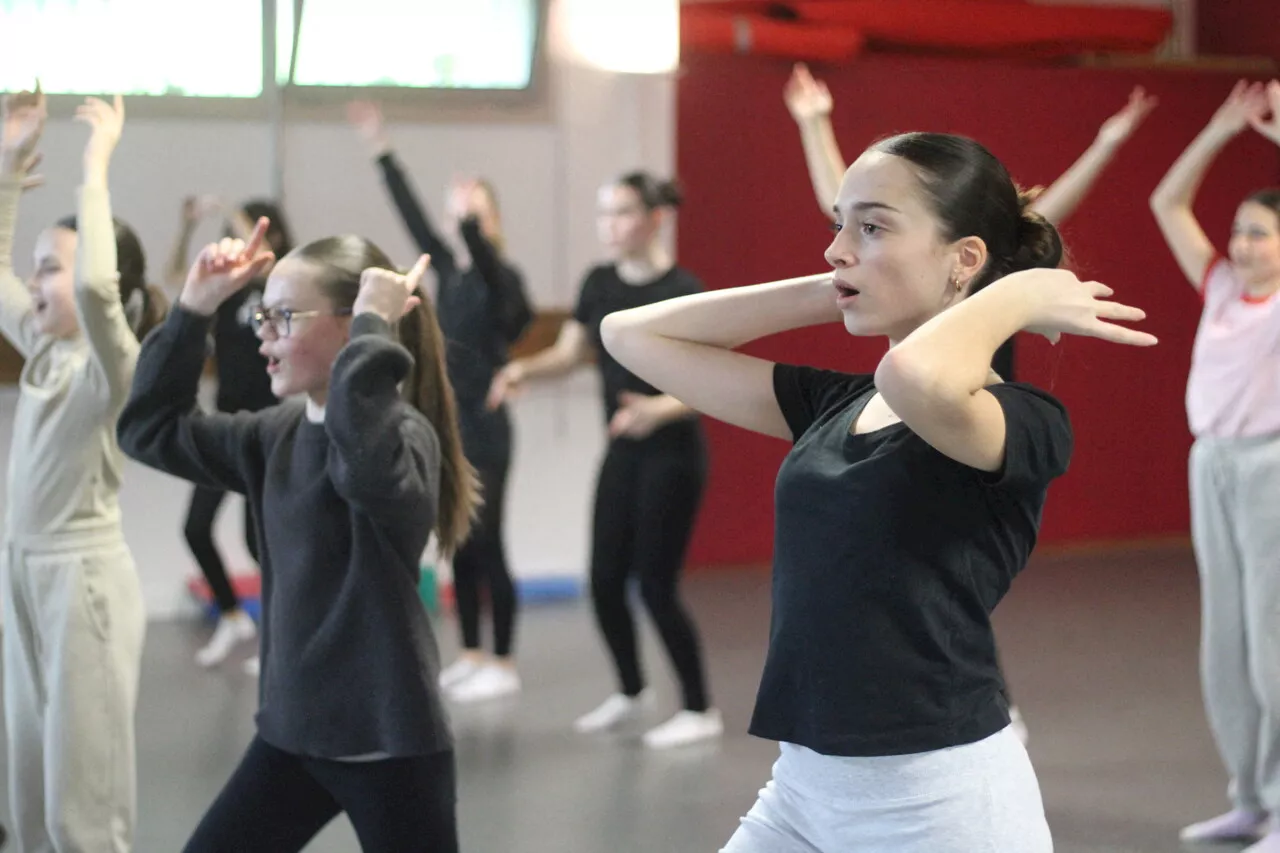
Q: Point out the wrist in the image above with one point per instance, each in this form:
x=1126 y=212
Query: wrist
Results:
x=1015 y=297
x=194 y=304
x=10 y=164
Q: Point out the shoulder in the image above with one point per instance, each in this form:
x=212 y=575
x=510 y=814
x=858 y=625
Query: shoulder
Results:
x=1220 y=280
x=684 y=281
x=807 y=394
x=1039 y=438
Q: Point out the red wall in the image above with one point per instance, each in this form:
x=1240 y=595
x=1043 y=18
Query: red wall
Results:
x=750 y=216
x=1238 y=27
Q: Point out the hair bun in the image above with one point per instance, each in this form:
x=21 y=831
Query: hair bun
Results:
x=1039 y=244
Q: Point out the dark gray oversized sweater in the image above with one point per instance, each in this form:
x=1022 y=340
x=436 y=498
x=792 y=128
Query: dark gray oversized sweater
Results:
x=344 y=509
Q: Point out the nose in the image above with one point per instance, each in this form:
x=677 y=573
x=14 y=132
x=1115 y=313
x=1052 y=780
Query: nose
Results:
x=840 y=253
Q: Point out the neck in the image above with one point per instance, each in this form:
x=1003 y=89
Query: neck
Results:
x=644 y=266
x=1262 y=288
x=315 y=407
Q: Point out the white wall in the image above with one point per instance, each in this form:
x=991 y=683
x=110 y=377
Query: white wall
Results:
x=546 y=174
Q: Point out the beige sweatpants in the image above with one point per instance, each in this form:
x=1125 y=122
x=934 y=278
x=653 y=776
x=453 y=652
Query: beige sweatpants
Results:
x=73 y=630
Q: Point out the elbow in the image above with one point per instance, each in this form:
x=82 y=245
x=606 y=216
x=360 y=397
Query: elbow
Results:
x=907 y=380
x=617 y=334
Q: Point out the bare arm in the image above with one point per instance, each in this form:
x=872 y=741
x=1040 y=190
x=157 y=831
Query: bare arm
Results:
x=1062 y=198
x=810 y=105
x=22 y=117
x=1172 y=200
x=935 y=379
x=112 y=343
x=684 y=346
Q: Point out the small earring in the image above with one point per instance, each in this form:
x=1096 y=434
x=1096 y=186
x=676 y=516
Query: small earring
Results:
x=955 y=282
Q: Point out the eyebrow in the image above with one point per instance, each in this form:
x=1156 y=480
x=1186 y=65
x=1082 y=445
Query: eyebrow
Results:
x=863 y=206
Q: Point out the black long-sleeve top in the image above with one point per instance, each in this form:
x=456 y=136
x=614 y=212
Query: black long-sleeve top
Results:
x=482 y=310
x=344 y=508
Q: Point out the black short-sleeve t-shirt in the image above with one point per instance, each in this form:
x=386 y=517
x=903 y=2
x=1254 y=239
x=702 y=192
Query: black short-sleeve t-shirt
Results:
x=604 y=292
x=889 y=558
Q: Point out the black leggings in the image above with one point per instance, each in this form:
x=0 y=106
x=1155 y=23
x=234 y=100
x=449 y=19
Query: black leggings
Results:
x=276 y=802
x=647 y=500
x=205 y=503
x=482 y=563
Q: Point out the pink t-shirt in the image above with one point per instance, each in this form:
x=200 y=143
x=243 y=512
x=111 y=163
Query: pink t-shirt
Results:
x=1234 y=387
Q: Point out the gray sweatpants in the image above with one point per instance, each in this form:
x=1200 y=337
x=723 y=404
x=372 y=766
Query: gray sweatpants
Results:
x=978 y=798
x=73 y=632
x=1235 y=525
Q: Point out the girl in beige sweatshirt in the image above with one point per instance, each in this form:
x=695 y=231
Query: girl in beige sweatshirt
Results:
x=73 y=612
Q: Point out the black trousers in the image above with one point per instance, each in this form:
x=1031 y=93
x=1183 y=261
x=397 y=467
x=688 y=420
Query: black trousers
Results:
x=480 y=565
x=201 y=514
x=276 y=802
x=647 y=500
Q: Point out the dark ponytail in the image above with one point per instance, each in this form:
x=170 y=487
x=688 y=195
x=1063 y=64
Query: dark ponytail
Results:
x=971 y=193
x=145 y=306
x=341 y=261
x=655 y=194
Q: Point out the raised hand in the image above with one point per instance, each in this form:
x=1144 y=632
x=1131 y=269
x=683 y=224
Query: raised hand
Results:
x=637 y=416
x=107 y=123
x=1247 y=102
x=806 y=97
x=389 y=294
x=1121 y=126
x=366 y=118
x=1269 y=125
x=1060 y=303
x=196 y=208
x=223 y=268
x=22 y=119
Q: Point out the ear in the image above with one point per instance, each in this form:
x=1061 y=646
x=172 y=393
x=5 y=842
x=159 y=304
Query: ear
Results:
x=970 y=254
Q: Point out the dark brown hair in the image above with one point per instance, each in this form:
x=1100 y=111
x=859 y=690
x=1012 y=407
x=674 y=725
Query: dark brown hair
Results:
x=145 y=306
x=972 y=194
x=1268 y=198
x=341 y=261
x=654 y=194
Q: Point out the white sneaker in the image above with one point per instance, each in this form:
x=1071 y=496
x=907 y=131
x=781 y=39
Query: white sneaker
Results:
x=231 y=631
x=1019 y=727
x=614 y=711
x=490 y=682
x=1235 y=825
x=253 y=666
x=685 y=728
x=458 y=672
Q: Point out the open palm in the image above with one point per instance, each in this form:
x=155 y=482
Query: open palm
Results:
x=22 y=119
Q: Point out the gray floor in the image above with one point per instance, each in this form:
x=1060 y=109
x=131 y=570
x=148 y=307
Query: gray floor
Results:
x=1100 y=650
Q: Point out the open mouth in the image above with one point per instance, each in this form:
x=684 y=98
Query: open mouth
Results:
x=844 y=291
x=273 y=364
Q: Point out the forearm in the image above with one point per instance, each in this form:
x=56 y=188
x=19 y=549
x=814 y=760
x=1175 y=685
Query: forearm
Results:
x=112 y=343
x=383 y=453
x=15 y=302
x=1064 y=195
x=552 y=362
x=1178 y=188
x=179 y=255
x=947 y=360
x=668 y=409
x=411 y=211
x=731 y=317
x=822 y=156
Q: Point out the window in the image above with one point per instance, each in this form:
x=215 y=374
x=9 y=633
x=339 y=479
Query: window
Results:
x=193 y=48
x=439 y=44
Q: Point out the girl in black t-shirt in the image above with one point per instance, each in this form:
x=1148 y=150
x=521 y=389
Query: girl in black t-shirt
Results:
x=909 y=501
x=243 y=385
x=653 y=475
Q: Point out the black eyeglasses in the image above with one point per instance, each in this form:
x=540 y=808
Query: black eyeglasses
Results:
x=280 y=320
